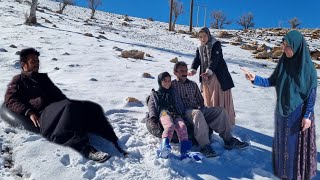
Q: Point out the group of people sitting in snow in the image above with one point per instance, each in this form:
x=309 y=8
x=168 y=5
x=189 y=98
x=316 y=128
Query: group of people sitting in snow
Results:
x=180 y=106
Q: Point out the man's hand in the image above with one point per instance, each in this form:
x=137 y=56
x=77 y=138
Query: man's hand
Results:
x=35 y=119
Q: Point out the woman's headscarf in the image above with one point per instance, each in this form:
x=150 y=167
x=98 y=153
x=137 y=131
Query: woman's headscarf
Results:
x=211 y=39
x=206 y=49
x=161 y=77
x=294 y=77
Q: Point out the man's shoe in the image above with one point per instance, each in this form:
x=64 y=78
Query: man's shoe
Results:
x=93 y=154
x=208 y=152
x=234 y=143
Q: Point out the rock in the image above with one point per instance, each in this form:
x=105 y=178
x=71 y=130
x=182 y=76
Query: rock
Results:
x=88 y=24
x=66 y=54
x=125 y=24
x=3 y=50
x=148 y=55
x=17 y=65
x=315 y=34
x=143 y=27
x=261 y=47
x=150 y=19
x=248 y=47
x=262 y=55
x=56 y=68
x=315 y=55
x=117 y=49
x=237 y=39
x=182 y=31
x=254 y=51
x=277 y=54
x=235 y=43
x=174 y=60
x=93 y=79
x=13 y=46
x=54 y=26
x=102 y=37
x=126 y=18
x=146 y=75
x=253 y=43
x=74 y=65
x=276 y=48
x=47 y=21
x=17 y=53
x=224 y=34
x=132 y=99
x=54 y=59
x=133 y=54
x=88 y=34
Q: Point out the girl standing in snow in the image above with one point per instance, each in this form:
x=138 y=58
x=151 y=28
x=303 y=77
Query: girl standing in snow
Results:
x=295 y=80
x=215 y=79
x=164 y=105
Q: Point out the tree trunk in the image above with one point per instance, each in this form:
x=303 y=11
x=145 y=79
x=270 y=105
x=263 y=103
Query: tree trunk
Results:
x=62 y=8
x=92 y=13
x=174 y=23
x=32 y=19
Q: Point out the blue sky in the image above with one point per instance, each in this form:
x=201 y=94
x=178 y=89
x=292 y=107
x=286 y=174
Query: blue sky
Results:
x=267 y=13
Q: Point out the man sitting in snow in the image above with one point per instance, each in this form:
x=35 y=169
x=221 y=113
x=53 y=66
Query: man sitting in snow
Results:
x=202 y=117
x=60 y=119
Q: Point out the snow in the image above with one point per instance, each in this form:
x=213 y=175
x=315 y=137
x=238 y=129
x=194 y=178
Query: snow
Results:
x=33 y=157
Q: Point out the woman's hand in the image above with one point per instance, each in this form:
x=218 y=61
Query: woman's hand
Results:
x=305 y=124
x=249 y=76
x=191 y=73
x=205 y=75
x=35 y=119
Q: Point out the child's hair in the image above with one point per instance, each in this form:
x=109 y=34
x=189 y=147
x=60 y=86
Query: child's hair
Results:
x=162 y=76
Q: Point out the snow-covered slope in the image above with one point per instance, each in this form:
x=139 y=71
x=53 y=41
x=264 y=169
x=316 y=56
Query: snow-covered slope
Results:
x=72 y=60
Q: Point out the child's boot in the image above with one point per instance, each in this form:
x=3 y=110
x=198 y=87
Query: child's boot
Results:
x=185 y=147
x=165 y=148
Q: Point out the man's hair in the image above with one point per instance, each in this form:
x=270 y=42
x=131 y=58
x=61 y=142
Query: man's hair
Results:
x=178 y=64
x=25 y=52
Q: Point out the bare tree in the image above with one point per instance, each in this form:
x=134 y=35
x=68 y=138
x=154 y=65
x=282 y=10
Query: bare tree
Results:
x=177 y=9
x=294 y=22
x=32 y=19
x=219 y=19
x=63 y=4
x=93 y=5
x=246 y=21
